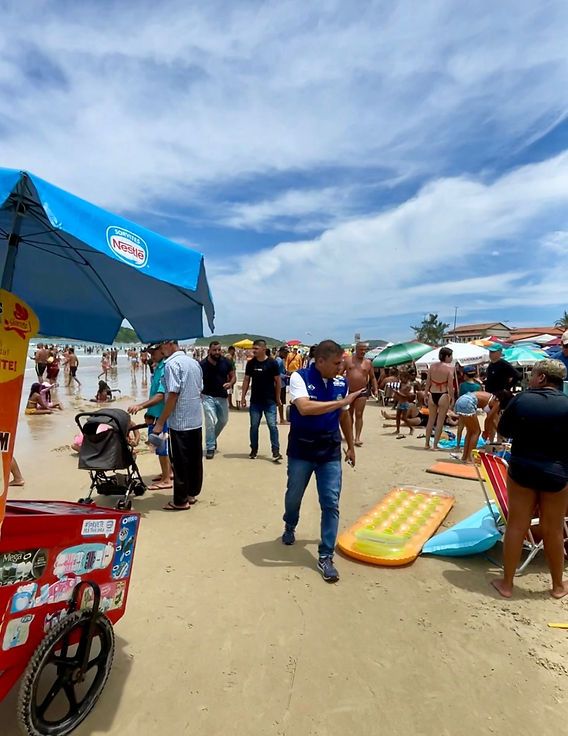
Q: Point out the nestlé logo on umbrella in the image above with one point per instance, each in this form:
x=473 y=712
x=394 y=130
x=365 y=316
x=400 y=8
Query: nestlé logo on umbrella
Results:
x=128 y=246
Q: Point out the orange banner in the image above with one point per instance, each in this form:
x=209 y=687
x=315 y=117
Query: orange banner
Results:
x=18 y=324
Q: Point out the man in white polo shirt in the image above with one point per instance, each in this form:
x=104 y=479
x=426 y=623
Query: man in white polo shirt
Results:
x=182 y=411
x=319 y=401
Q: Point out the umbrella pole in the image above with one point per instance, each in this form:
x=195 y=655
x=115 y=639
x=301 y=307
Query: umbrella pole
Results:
x=13 y=243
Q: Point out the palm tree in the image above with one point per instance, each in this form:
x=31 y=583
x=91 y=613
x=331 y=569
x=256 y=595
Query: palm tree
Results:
x=562 y=322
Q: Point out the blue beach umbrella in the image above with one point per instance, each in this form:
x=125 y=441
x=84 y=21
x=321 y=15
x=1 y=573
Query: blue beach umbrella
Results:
x=83 y=269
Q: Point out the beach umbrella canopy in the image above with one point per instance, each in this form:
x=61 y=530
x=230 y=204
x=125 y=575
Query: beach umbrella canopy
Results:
x=245 y=344
x=536 y=340
x=464 y=354
x=372 y=354
x=483 y=343
x=291 y=343
x=84 y=270
x=522 y=355
x=402 y=352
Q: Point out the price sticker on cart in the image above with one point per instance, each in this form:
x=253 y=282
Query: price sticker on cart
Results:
x=18 y=323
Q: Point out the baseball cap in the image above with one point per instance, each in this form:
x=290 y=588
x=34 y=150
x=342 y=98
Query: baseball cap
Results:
x=153 y=346
x=564 y=338
x=495 y=348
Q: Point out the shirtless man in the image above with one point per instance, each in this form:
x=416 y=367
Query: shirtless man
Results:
x=359 y=371
x=73 y=363
x=40 y=357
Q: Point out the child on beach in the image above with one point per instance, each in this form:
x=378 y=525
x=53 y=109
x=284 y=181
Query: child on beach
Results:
x=104 y=393
x=105 y=365
x=466 y=408
x=404 y=395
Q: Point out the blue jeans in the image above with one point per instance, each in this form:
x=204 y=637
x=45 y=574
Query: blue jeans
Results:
x=256 y=411
x=216 y=411
x=328 y=481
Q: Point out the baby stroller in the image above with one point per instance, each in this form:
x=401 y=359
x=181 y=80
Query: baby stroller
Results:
x=105 y=449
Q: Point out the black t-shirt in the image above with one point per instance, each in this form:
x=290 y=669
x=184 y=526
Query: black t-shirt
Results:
x=262 y=374
x=500 y=376
x=214 y=376
x=537 y=422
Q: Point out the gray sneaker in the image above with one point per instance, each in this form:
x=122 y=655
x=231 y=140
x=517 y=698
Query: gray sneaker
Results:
x=327 y=569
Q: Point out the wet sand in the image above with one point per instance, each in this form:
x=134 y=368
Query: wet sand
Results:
x=226 y=629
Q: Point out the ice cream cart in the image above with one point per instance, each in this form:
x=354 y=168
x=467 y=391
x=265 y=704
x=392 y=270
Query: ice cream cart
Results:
x=65 y=567
x=64 y=577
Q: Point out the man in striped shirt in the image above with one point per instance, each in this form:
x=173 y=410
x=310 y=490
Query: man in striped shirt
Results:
x=182 y=411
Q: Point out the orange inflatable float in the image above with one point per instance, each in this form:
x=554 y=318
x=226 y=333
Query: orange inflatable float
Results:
x=454 y=470
x=394 y=531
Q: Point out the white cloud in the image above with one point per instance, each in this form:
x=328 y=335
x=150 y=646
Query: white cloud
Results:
x=159 y=99
x=296 y=209
x=427 y=254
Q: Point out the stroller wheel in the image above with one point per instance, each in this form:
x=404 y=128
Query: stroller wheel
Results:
x=86 y=501
x=124 y=504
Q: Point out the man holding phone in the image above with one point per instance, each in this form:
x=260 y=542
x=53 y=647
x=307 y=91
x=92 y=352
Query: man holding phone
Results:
x=320 y=403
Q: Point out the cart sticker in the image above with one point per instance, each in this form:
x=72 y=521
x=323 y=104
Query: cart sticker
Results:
x=52 y=619
x=83 y=558
x=98 y=527
x=61 y=590
x=22 y=566
x=124 y=546
x=112 y=596
x=17 y=632
x=23 y=598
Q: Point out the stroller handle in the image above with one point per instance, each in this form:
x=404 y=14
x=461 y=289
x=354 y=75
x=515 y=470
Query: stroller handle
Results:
x=102 y=415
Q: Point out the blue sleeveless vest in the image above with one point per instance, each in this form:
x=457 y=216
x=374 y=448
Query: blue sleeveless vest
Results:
x=317 y=438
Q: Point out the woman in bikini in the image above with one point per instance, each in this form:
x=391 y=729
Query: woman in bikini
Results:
x=466 y=408
x=440 y=392
x=37 y=402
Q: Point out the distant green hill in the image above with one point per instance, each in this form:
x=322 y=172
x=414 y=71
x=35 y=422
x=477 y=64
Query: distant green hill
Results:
x=227 y=340
x=126 y=335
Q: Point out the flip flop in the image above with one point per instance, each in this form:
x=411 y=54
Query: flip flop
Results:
x=170 y=507
x=159 y=486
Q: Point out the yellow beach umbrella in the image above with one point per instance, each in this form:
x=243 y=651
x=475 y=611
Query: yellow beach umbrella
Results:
x=245 y=344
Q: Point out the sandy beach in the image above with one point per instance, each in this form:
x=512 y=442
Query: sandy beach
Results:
x=228 y=630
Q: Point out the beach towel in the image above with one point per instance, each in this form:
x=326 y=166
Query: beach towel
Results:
x=452 y=444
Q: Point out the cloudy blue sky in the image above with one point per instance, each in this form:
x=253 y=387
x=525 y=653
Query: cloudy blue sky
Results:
x=344 y=166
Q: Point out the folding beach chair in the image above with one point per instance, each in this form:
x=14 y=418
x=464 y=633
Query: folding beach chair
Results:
x=492 y=474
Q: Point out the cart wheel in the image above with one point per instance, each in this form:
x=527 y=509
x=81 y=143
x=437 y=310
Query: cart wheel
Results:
x=124 y=504
x=86 y=501
x=55 y=696
x=139 y=489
